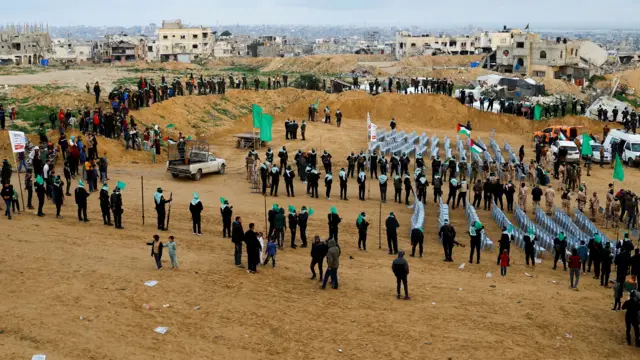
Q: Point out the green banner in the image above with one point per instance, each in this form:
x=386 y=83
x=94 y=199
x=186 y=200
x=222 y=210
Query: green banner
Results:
x=586 y=145
x=257 y=115
x=266 y=124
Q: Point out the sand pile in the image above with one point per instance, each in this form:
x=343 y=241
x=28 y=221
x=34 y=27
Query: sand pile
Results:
x=558 y=86
x=173 y=65
x=430 y=61
x=52 y=97
x=317 y=64
x=629 y=77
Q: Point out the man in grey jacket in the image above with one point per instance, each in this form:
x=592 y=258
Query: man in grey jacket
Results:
x=400 y=268
x=333 y=262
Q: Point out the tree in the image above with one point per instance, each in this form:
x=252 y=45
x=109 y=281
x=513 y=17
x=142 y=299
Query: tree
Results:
x=226 y=33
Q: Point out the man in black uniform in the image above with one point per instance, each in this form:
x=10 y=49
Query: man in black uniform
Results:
x=435 y=167
x=560 y=247
x=275 y=180
x=160 y=209
x=227 y=214
x=81 y=196
x=392 y=233
x=302 y=223
x=289 y=175
x=417 y=239
x=373 y=165
x=116 y=207
x=351 y=160
x=342 y=176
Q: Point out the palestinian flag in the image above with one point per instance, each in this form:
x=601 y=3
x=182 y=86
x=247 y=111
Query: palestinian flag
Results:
x=463 y=130
x=475 y=147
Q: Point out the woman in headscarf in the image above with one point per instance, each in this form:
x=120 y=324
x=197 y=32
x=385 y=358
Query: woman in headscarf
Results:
x=195 y=207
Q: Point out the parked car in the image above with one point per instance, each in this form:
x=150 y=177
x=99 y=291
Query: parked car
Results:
x=595 y=147
x=625 y=144
x=573 y=155
x=570 y=132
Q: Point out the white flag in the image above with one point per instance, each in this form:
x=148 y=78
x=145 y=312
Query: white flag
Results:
x=374 y=136
x=368 y=122
x=18 y=141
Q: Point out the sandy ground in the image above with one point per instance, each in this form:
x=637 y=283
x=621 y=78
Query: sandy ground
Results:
x=56 y=271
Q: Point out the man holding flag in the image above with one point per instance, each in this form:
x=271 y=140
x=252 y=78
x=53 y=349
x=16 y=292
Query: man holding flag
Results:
x=463 y=130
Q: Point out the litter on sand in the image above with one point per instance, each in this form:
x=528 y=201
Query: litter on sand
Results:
x=489 y=274
x=569 y=336
x=151 y=283
x=39 y=357
x=461 y=266
x=197 y=307
x=555 y=282
x=161 y=329
x=538 y=261
x=339 y=350
x=433 y=303
x=529 y=275
x=459 y=289
x=165 y=305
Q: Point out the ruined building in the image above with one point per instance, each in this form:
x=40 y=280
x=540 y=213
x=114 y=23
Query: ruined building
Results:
x=24 y=44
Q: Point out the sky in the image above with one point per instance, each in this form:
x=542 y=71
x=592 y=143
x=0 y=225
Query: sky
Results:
x=583 y=14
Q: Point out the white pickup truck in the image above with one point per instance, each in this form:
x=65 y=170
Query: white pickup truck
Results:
x=198 y=164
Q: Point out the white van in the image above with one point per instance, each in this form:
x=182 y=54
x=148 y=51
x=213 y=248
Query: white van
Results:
x=627 y=145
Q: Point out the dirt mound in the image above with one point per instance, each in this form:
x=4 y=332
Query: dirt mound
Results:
x=629 y=77
x=557 y=86
x=173 y=65
x=316 y=64
x=52 y=96
x=431 y=61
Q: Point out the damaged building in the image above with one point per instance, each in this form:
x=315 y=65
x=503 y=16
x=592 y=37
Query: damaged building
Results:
x=177 y=42
x=530 y=55
x=26 y=44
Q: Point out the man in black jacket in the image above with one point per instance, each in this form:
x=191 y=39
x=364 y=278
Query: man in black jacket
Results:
x=264 y=174
x=237 y=237
x=333 y=221
x=529 y=247
x=536 y=196
x=160 y=203
x=81 y=196
x=475 y=232
x=105 y=206
x=487 y=190
x=392 y=233
x=417 y=239
x=253 y=249
x=116 y=207
x=448 y=235
x=289 y=175
x=303 y=217
x=293 y=225
x=318 y=252
x=272 y=218
x=560 y=247
x=400 y=268
x=505 y=244
x=227 y=214
x=275 y=180
x=632 y=318
x=40 y=192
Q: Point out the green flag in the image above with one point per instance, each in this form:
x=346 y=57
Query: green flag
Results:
x=170 y=126
x=618 y=170
x=39 y=180
x=266 y=123
x=537 y=112
x=311 y=211
x=315 y=106
x=586 y=145
x=257 y=115
x=121 y=185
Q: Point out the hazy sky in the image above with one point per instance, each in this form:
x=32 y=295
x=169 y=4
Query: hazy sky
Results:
x=424 y=13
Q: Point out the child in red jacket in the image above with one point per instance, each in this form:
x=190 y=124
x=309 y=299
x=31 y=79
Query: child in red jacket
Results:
x=574 y=268
x=504 y=262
